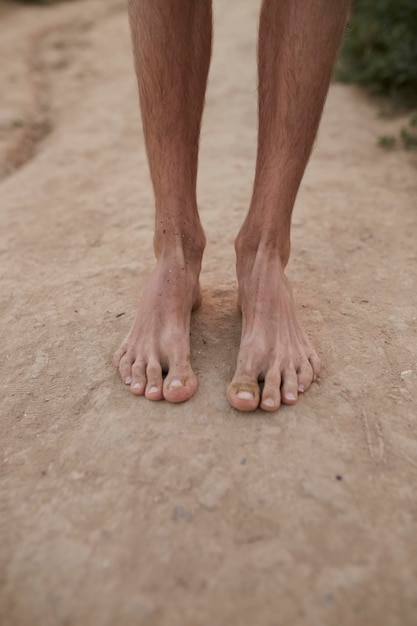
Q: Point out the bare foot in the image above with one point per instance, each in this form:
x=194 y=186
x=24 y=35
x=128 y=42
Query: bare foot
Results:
x=274 y=347
x=158 y=342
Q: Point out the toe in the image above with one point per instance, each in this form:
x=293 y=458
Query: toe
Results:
x=271 y=394
x=138 y=384
x=125 y=368
x=289 y=390
x=180 y=384
x=315 y=364
x=154 y=381
x=305 y=376
x=118 y=355
x=243 y=392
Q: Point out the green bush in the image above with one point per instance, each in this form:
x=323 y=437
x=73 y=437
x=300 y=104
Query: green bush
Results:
x=380 y=49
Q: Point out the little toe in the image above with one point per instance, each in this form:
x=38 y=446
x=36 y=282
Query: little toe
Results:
x=125 y=368
x=271 y=393
x=243 y=393
x=305 y=376
x=180 y=385
x=154 y=381
x=316 y=365
x=289 y=390
x=118 y=355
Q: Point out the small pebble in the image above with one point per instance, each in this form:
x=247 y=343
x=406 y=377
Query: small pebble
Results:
x=180 y=512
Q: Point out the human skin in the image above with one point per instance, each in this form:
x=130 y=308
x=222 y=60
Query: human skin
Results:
x=298 y=42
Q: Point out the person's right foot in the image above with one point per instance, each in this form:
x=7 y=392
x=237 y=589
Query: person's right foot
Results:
x=158 y=341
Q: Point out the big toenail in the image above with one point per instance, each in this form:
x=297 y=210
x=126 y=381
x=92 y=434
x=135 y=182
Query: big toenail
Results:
x=175 y=383
x=245 y=395
x=138 y=386
x=301 y=388
x=153 y=390
x=290 y=396
x=128 y=380
x=268 y=402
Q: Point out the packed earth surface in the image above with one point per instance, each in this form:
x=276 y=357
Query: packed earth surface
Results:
x=118 y=511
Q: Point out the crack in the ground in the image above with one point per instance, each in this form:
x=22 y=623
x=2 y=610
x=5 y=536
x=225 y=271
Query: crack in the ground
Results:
x=38 y=122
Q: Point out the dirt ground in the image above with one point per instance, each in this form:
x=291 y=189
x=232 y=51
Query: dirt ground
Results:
x=116 y=511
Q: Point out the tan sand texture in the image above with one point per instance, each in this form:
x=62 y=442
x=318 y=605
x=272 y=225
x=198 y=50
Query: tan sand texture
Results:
x=115 y=511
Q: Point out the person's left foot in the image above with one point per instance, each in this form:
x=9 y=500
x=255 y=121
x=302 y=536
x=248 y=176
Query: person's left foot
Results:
x=274 y=348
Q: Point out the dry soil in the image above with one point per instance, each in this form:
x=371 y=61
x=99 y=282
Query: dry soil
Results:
x=116 y=511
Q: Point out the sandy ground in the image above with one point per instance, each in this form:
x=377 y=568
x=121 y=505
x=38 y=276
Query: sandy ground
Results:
x=117 y=511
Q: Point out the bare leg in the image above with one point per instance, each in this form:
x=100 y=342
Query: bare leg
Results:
x=298 y=41
x=172 y=48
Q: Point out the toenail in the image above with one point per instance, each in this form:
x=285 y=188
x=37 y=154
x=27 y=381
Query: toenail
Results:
x=175 y=383
x=268 y=402
x=128 y=380
x=153 y=390
x=301 y=388
x=138 y=386
x=290 y=396
x=245 y=395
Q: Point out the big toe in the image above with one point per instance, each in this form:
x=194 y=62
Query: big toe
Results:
x=180 y=384
x=243 y=393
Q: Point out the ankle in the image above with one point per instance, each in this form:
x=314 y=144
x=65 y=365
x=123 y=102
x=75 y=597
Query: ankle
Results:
x=185 y=245
x=251 y=245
